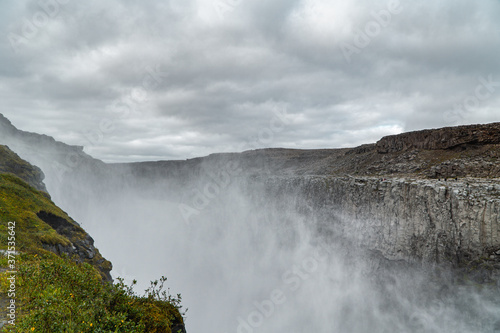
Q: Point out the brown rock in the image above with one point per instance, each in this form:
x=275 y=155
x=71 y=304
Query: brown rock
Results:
x=443 y=138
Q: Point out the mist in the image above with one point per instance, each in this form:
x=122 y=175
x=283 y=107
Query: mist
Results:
x=246 y=260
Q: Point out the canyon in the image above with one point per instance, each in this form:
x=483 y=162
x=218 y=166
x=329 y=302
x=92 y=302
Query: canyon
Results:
x=431 y=196
x=407 y=229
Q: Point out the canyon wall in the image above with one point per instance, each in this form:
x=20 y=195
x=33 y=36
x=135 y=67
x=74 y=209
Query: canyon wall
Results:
x=447 y=222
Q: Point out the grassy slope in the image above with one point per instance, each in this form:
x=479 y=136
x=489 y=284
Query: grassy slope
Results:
x=57 y=294
x=20 y=202
x=11 y=163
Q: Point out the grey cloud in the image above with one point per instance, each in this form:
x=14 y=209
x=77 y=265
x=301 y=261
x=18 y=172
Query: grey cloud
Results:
x=219 y=75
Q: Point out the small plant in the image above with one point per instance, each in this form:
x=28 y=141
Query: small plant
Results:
x=156 y=292
x=59 y=295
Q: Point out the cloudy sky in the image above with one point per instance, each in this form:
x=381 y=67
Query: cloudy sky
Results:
x=175 y=79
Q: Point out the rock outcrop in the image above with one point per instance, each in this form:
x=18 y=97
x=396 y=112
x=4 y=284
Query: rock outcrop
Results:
x=81 y=246
x=443 y=138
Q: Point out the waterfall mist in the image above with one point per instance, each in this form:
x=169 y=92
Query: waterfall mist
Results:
x=246 y=260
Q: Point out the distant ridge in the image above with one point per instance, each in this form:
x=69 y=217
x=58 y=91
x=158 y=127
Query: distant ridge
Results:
x=460 y=151
x=9 y=133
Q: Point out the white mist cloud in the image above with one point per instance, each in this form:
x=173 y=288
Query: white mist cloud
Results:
x=248 y=261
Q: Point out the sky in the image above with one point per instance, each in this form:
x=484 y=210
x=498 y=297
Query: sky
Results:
x=164 y=79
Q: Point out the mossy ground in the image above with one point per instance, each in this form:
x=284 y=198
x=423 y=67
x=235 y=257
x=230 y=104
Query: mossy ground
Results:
x=19 y=202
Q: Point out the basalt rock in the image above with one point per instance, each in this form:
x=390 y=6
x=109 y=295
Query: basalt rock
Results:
x=82 y=245
x=443 y=138
x=451 y=223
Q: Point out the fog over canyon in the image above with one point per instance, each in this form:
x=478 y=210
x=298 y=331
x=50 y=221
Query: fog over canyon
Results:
x=369 y=239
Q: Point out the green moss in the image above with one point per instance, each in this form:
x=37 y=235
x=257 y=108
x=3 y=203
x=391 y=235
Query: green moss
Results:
x=106 y=265
x=20 y=203
x=10 y=162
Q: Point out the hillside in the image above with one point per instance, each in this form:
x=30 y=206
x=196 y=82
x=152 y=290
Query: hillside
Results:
x=41 y=225
x=10 y=162
x=61 y=283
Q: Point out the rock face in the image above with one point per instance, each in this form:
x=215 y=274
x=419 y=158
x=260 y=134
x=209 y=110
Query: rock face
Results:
x=81 y=247
x=443 y=138
x=433 y=221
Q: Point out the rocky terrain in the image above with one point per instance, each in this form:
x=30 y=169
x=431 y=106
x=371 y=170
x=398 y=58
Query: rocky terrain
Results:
x=10 y=162
x=441 y=139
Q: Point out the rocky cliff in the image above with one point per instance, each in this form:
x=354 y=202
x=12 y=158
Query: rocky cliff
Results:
x=451 y=223
x=11 y=163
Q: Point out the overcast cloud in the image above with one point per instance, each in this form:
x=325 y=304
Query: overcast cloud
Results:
x=149 y=80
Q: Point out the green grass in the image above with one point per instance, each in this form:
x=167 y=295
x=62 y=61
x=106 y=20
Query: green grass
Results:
x=58 y=294
x=19 y=202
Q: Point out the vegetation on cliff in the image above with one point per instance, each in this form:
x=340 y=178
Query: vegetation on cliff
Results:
x=11 y=163
x=62 y=282
x=58 y=295
x=22 y=204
